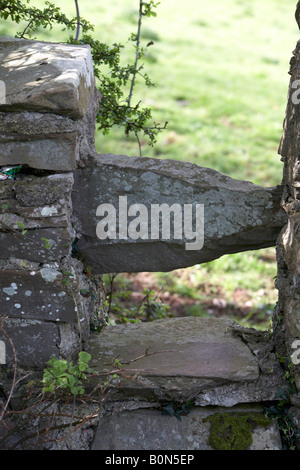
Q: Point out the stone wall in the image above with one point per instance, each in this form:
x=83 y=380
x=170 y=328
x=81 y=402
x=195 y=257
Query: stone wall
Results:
x=237 y=215
x=287 y=312
x=47 y=125
x=50 y=298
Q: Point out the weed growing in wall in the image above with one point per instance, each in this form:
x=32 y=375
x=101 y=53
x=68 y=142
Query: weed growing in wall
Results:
x=61 y=374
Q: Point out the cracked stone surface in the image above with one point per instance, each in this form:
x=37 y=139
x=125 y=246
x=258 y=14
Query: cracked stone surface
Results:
x=175 y=358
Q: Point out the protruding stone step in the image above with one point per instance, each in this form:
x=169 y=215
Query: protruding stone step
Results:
x=173 y=359
x=141 y=206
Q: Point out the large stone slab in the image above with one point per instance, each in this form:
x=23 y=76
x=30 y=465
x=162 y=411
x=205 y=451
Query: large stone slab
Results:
x=152 y=430
x=172 y=359
x=238 y=215
x=47 y=77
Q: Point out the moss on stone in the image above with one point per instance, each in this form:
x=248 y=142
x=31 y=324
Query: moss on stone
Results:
x=233 y=431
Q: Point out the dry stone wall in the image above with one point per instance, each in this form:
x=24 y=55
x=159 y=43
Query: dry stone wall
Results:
x=48 y=242
x=287 y=315
x=49 y=210
x=47 y=126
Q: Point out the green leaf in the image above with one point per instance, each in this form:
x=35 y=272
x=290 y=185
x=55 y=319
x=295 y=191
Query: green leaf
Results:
x=84 y=357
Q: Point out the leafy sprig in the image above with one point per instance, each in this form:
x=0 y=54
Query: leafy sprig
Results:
x=61 y=374
x=115 y=109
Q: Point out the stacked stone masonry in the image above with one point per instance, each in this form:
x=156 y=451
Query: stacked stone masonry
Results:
x=45 y=126
x=49 y=248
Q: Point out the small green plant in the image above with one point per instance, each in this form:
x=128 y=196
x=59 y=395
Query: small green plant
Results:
x=47 y=243
x=23 y=228
x=63 y=375
x=177 y=409
x=4 y=207
x=120 y=303
x=289 y=372
x=152 y=307
x=280 y=412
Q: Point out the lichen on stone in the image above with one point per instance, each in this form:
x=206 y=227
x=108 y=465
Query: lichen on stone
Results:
x=233 y=431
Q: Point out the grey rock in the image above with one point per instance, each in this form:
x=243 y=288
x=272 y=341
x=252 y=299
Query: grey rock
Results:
x=266 y=438
x=172 y=359
x=238 y=215
x=36 y=295
x=41 y=206
x=151 y=430
x=48 y=141
x=41 y=245
x=46 y=77
x=34 y=342
x=265 y=388
x=55 y=215
x=41 y=191
x=58 y=152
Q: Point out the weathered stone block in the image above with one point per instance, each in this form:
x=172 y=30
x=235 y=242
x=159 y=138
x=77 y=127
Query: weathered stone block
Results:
x=33 y=191
x=153 y=430
x=34 y=342
x=46 y=77
x=57 y=152
x=172 y=359
x=36 y=295
x=14 y=215
x=47 y=141
x=40 y=245
x=238 y=215
x=41 y=209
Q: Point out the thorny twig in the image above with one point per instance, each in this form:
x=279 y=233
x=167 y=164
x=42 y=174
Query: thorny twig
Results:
x=78 y=21
x=15 y=368
x=137 y=53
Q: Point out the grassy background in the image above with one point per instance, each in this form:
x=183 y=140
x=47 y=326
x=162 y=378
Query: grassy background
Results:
x=221 y=75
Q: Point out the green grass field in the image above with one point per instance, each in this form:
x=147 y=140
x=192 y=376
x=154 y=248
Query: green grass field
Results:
x=221 y=75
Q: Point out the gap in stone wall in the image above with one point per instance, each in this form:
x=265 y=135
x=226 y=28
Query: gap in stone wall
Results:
x=212 y=290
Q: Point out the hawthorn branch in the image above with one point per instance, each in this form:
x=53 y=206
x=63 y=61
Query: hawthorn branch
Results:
x=78 y=21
